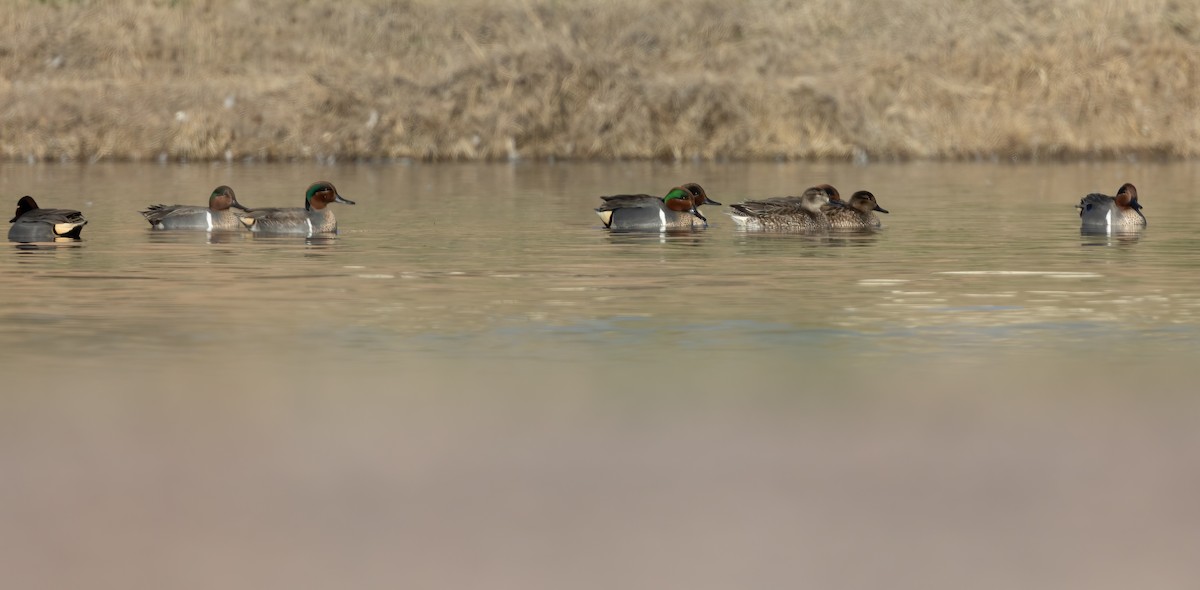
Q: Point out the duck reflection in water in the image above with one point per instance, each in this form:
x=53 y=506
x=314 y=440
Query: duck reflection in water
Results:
x=1110 y=236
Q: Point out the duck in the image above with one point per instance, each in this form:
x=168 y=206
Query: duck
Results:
x=678 y=209
x=34 y=224
x=215 y=217
x=1102 y=211
x=314 y=218
x=798 y=214
x=857 y=213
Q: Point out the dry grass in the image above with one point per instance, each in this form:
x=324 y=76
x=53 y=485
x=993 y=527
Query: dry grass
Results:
x=677 y=79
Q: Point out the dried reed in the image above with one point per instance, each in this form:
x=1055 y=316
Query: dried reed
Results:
x=676 y=79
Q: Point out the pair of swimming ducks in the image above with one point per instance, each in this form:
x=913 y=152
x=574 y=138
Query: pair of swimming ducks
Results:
x=34 y=224
x=820 y=208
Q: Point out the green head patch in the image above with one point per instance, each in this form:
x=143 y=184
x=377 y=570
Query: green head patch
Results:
x=677 y=193
x=314 y=189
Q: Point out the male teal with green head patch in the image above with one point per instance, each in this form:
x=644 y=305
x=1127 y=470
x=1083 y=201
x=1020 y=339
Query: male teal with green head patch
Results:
x=679 y=209
x=1101 y=212
x=216 y=217
x=314 y=218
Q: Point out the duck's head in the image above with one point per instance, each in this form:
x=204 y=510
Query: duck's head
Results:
x=682 y=199
x=865 y=201
x=222 y=198
x=834 y=196
x=813 y=198
x=699 y=197
x=1127 y=197
x=25 y=205
x=321 y=194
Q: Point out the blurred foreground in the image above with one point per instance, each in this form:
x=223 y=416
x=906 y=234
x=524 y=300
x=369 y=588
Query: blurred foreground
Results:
x=428 y=473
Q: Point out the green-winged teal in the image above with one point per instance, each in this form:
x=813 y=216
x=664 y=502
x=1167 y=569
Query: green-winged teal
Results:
x=679 y=209
x=34 y=224
x=314 y=218
x=791 y=214
x=215 y=217
x=1097 y=211
x=857 y=213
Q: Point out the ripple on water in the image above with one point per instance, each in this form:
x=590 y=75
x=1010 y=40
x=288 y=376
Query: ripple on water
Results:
x=1052 y=274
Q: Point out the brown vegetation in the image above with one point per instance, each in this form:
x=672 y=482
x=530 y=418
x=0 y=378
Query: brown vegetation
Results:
x=677 y=79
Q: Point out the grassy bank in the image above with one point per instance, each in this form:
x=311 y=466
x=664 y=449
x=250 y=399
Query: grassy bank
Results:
x=425 y=79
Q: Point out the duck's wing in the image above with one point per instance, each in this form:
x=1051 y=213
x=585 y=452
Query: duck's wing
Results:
x=1095 y=201
x=614 y=202
x=55 y=216
x=1096 y=198
x=155 y=214
x=65 y=222
x=271 y=218
x=772 y=206
x=1097 y=210
x=834 y=207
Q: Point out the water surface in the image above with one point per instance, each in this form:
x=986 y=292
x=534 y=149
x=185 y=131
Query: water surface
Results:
x=474 y=385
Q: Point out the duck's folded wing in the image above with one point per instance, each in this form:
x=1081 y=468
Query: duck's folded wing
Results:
x=772 y=206
x=614 y=202
x=53 y=216
x=835 y=208
x=65 y=222
x=270 y=218
x=157 y=213
x=1094 y=200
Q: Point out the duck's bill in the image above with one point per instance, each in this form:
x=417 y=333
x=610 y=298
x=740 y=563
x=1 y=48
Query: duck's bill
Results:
x=700 y=215
x=880 y=209
x=237 y=205
x=708 y=201
x=341 y=199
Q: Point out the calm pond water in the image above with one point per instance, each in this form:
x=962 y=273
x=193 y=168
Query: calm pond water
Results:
x=475 y=386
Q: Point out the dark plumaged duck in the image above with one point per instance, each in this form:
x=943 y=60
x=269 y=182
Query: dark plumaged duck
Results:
x=34 y=224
